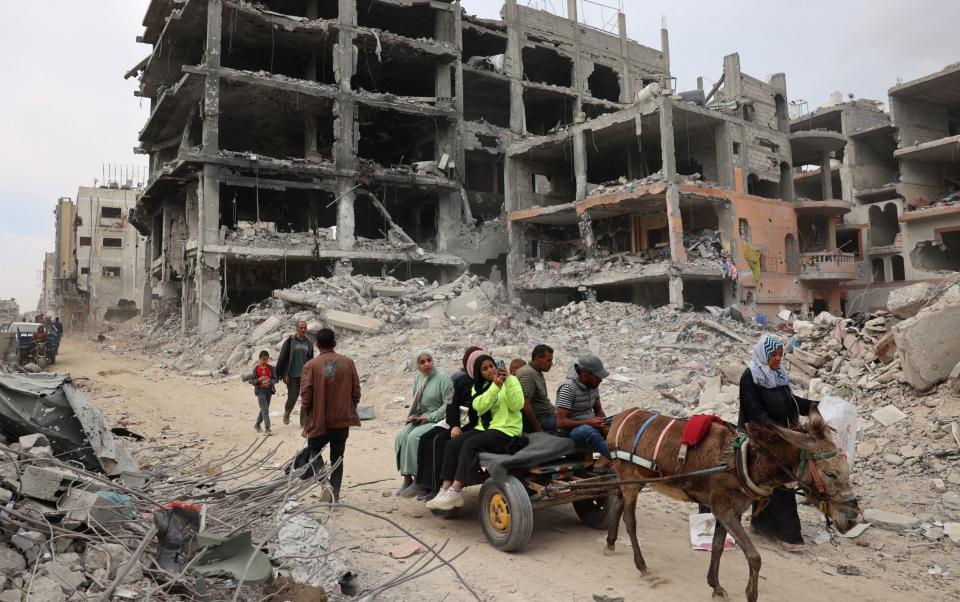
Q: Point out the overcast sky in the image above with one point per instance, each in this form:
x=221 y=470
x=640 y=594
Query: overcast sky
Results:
x=66 y=108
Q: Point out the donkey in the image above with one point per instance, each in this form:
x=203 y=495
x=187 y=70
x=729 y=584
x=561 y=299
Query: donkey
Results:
x=774 y=456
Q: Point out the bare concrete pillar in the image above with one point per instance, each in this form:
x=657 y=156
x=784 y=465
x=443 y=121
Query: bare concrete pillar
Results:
x=580 y=163
x=516 y=254
x=146 y=301
x=826 y=177
x=666 y=140
x=514 y=65
x=345 y=124
x=831 y=233
x=627 y=93
x=448 y=221
x=675 y=291
x=587 y=239
x=665 y=48
x=724 y=145
x=678 y=253
x=211 y=91
x=209 y=310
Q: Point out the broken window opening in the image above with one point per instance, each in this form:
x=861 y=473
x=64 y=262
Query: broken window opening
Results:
x=736 y=149
x=813 y=231
x=85 y=241
x=884 y=225
x=390 y=138
x=84 y=271
x=111 y=271
x=312 y=62
x=695 y=146
x=484 y=172
x=938 y=255
x=271 y=123
x=413 y=211
x=748 y=112
x=547 y=66
x=848 y=241
x=257 y=215
x=745 y=234
x=486 y=99
x=786 y=181
x=701 y=293
x=897 y=267
x=112 y=243
x=111 y=212
x=762 y=187
x=398 y=71
x=417 y=21
x=547 y=112
x=820 y=305
x=783 y=115
x=604 y=83
x=482 y=44
x=246 y=282
x=651 y=294
x=876 y=266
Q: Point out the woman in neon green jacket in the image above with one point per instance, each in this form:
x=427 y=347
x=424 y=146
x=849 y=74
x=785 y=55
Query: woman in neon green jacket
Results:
x=498 y=401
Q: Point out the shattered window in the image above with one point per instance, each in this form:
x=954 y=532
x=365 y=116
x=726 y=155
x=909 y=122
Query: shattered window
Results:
x=85 y=241
x=113 y=242
x=111 y=271
x=110 y=212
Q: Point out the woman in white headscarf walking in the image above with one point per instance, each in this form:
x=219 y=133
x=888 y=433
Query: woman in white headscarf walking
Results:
x=432 y=391
x=766 y=398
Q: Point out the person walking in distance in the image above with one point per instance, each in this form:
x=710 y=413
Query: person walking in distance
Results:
x=264 y=379
x=294 y=354
x=329 y=394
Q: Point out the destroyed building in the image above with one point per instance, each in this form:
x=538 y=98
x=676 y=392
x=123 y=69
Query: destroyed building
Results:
x=893 y=180
x=289 y=137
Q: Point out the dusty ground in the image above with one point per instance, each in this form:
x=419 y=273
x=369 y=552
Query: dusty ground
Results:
x=564 y=560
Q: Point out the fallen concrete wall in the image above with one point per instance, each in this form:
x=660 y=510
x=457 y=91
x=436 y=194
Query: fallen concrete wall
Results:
x=928 y=343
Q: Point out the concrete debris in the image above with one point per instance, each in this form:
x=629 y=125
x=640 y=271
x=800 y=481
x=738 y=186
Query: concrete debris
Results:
x=304 y=536
x=890 y=520
x=928 y=343
x=888 y=415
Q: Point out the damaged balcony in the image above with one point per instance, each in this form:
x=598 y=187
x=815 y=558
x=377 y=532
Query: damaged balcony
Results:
x=179 y=42
x=835 y=266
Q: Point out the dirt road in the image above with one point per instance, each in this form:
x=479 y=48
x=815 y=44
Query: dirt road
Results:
x=564 y=560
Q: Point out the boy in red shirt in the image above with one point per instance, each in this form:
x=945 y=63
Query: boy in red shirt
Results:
x=264 y=379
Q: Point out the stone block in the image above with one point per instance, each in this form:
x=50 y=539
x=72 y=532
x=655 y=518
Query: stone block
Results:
x=953 y=380
x=349 y=321
x=28 y=542
x=68 y=579
x=886 y=348
x=266 y=327
x=951 y=501
x=45 y=483
x=11 y=561
x=929 y=345
x=906 y=301
x=106 y=556
x=11 y=595
x=471 y=303
x=46 y=589
x=891 y=521
x=34 y=440
x=888 y=415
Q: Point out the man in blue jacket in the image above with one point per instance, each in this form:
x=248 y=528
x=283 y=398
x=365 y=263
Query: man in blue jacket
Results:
x=295 y=353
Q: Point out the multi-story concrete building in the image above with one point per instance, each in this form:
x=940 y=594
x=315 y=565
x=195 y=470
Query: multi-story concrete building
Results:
x=109 y=252
x=898 y=176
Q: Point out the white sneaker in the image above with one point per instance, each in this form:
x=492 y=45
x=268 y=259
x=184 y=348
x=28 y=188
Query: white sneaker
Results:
x=452 y=499
x=432 y=504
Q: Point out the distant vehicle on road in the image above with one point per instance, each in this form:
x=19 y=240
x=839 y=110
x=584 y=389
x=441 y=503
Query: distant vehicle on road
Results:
x=25 y=332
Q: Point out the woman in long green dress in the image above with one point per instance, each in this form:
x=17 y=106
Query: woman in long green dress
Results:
x=432 y=390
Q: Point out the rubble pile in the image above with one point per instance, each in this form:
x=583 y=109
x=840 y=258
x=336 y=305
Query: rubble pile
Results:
x=622 y=184
x=347 y=303
x=82 y=518
x=949 y=198
x=265 y=233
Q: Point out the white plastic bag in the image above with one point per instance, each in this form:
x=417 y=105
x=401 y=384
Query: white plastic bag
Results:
x=842 y=416
x=701 y=532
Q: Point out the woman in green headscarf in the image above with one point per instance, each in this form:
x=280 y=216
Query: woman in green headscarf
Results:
x=432 y=390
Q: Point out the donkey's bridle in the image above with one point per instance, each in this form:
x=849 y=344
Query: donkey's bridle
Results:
x=819 y=490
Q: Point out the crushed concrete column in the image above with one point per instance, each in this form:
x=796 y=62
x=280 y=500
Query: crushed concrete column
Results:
x=675 y=291
x=587 y=239
x=826 y=178
x=666 y=140
x=448 y=220
x=665 y=48
x=516 y=255
x=678 y=253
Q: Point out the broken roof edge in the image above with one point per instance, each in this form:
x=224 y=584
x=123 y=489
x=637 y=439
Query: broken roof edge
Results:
x=904 y=87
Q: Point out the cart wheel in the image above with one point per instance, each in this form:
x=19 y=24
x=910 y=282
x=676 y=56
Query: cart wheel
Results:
x=595 y=512
x=506 y=514
x=446 y=514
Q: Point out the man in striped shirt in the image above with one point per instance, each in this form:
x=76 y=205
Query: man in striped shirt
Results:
x=580 y=414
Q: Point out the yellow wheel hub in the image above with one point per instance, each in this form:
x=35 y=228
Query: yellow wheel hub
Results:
x=498 y=512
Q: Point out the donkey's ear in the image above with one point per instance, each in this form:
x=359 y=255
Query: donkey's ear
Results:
x=801 y=440
x=816 y=425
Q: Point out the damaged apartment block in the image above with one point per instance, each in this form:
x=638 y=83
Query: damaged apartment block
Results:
x=683 y=198
x=293 y=138
x=287 y=137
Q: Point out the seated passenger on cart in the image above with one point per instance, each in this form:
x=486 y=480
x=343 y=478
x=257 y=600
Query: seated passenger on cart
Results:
x=498 y=401
x=580 y=415
x=40 y=336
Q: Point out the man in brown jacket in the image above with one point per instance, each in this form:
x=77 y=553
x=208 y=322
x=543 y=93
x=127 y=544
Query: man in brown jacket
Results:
x=329 y=394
